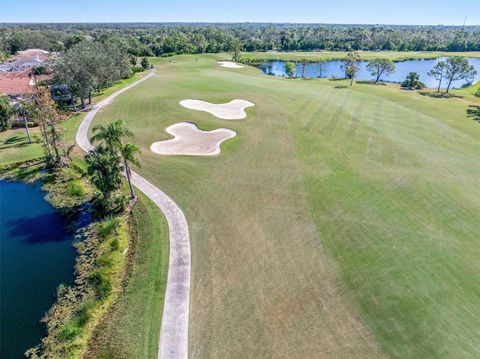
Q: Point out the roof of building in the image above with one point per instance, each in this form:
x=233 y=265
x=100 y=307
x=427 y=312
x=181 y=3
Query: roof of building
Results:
x=15 y=74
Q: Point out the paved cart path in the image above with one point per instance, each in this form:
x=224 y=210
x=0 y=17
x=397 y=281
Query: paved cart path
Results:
x=174 y=329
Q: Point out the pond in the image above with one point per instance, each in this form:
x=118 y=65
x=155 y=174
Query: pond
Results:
x=332 y=69
x=36 y=255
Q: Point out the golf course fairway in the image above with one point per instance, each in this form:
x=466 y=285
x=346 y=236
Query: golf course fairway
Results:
x=339 y=220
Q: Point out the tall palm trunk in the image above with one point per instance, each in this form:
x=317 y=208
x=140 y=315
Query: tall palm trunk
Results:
x=25 y=122
x=127 y=170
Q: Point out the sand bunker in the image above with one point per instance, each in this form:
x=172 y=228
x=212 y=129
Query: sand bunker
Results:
x=234 y=110
x=189 y=140
x=230 y=64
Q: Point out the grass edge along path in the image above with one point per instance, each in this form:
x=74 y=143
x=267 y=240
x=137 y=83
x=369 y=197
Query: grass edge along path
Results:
x=175 y=319
x=132 y=327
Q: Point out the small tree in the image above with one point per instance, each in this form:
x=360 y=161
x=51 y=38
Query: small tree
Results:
x=105 y=170
x=458 y=68
x=5 y=113
x=44 y=111
x=412 y=81
x=290 y=69
x=237 y=49
x=379 y=67
x=304 y=63
x=145 y=63
x=438 y=72
x=112 y=135
x=350 y=65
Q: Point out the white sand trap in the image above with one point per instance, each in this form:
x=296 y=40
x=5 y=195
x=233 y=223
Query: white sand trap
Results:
x=230 y=64
x=189 y=140
x=234 y=110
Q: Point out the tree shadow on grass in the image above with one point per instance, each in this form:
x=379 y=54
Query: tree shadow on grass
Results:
x=474 y=113
x=439 y=94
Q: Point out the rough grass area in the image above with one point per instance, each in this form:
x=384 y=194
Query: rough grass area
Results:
x=131 y=329
x=365 y=55
x=338 y=223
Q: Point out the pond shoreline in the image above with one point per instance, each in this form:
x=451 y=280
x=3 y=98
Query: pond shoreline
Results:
x=39 y=238
x=333 y=70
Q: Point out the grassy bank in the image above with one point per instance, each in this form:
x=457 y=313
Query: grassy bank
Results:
x=339 y=55
x=132 y=327
x=112 y=257
x=340 y=220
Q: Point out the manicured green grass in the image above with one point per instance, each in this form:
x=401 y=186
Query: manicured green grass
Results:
x=365 y=55
x=132 y=327
x=340 y=222
x=14 y=146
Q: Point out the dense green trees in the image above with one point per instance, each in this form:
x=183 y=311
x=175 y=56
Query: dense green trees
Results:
x=44 y=111
x=5 y=113
x=379 y=67
x=91 y=66
x=157 y=39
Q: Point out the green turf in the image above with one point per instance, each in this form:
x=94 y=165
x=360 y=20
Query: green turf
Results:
x=132 y=328
x=14 y=146
x=337 y=220
x=365 y=55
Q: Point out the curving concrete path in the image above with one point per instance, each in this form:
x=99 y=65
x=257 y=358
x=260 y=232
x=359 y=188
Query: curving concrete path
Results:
x=174 y=330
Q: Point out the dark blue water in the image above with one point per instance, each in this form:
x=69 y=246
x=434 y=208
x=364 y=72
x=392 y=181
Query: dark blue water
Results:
x=36 y=255
x=332 y=69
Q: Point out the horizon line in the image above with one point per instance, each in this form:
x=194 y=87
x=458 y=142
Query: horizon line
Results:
x=226 y=23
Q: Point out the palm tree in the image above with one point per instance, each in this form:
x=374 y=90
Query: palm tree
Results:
x=128 y=152
x=21 y=109
x=112 y=135
x=104 y=168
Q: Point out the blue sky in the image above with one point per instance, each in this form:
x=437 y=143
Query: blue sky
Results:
x=451 y=12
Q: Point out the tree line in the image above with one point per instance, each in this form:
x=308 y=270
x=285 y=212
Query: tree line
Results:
x=164 y=39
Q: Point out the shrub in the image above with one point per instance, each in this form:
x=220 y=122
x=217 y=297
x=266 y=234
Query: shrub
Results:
x=100 y=283
x=413 y=82
x=136 y=69
x=145 y=63
x=114 y=244
x=477 y=93
x=107 y=227
x=68 y=332
x=76 y=188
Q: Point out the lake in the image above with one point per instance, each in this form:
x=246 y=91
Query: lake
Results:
x=332 y=69
x=36 y=255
